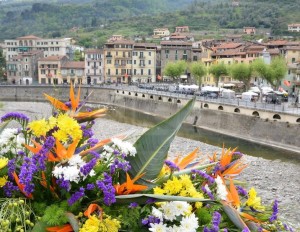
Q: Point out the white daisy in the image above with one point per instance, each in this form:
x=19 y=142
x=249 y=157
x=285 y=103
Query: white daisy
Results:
x=221 y=189
x=158 y=227
x=189 y=223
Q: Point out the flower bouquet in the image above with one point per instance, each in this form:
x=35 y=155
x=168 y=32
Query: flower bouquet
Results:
x=56 y=176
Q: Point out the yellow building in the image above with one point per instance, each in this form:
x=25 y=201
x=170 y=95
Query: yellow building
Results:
x=118 y=61
x=49 y=69
x=292 y=54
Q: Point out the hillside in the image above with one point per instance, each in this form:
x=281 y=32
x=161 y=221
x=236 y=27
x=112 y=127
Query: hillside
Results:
x=98 y=19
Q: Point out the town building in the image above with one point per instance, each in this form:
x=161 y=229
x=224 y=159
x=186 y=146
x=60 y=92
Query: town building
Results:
x=144 y=63
x=73 y=72
x=49 y=70
x=295 y=27
x=50 y=47
x=249 y=30
x=94 y=67
x=160 y=32
x=172 y=51
x=182 y=29
x=118 y=61
x=292 y=54
x=23 y=68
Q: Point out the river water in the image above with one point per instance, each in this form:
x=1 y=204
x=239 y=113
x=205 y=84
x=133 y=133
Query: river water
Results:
x=138 y=118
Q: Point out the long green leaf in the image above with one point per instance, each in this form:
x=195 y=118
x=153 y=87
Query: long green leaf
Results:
x=234 y=216
x=144 y=198
x=153 y=146
x=73 y=221
x=2 y=126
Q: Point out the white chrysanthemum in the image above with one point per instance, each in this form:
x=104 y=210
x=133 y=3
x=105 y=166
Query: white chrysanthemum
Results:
x=124 y=146
x=175 y=228
x=158 y=227
x=189 y=223
x=157 y=213
x=181 y=207
x=71 y=170
x=11 y=140
x=221 y=189
x=169 y=211
x=76 y=160
x=108 y=149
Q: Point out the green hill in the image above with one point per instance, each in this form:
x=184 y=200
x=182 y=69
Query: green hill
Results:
x=98 y=19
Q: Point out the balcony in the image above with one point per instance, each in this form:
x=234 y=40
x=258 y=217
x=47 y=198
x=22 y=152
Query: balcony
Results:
x=108 y=56
x=95 y=66
x=142 y=65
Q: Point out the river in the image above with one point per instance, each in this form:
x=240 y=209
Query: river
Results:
x=138 y=118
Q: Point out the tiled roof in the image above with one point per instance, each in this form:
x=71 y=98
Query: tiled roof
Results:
x=277 y=42
x=145 y=45
x=232 y=52
x=73 y=64
x=294 y=48
x=175 y=43
x=93 y=51
x=28 y=37
x=228 y=45
x=52 y=58
x=121 y=41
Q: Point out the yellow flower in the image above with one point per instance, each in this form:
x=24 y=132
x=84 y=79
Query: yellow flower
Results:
x=3 y=162
x=39 y=127
x=91 y=225
x=173 y=187
x=253 y=200
x=3 y=181
x=68 y=127
x=158 y=190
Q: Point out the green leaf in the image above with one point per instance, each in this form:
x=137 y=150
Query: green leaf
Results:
x=73 y=221
x=153 y=146
x=234 y=216
x=143 y=198
x=39 y=226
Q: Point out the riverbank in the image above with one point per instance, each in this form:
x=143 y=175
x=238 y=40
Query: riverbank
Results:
x=272 y=179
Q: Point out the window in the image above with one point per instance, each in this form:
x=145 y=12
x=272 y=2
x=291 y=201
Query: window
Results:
x=117 y=72
x=149 y=71
x=134 y=62
x=134 y=72
x=149 y=53
x=142 y=71
x=293 y=60
x=108 y=71
x=149 y=62
x=108 y=61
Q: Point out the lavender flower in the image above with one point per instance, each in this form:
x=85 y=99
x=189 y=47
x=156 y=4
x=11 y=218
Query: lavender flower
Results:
x=64 y=184
x=215 y=223
x=207 y=191
x=87 y=168
x=90 y=186
x=171 y=165
x=27 y=171
x=92 y=141
x=9 y=188
x=133 y=205
x=76 y=196
x=204 y=175
x=11 y=168
x=275 y=211
x=242 y=191
x=87 y=131
x=246 y=230
x=150 y=219
x=108 y=189
x=22 y=118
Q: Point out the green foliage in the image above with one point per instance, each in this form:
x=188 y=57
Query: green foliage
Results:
x=127 y=216
x=218 y=70
x=140 y=17
x=153 y=146
x=198 y=70
x=175 y=69
x=54 y=214
x=242 y=72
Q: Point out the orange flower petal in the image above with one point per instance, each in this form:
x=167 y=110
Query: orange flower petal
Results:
x=92 y=208
x=64 y=228
x=56 y=103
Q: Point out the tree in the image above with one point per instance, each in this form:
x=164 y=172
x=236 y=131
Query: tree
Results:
x=218 y=70
x=278 y=69
x=273 y=72
x=175 y=69
x=78 y=56
x=242 y=72
x=198 y=70
x=2 y=66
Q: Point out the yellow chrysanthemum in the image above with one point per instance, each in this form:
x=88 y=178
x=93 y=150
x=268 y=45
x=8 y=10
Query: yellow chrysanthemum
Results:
x=112 y=225
x=91 y=225
x=3 y=162
x=3 y=181
x=39 y=127
x=173 y=187
x=68 y=127
x=253 y=200
x=158 y=190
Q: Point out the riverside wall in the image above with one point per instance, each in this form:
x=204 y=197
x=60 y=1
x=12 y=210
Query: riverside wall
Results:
x=267 y=127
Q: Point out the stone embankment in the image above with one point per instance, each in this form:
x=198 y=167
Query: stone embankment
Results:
x=272 y=179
